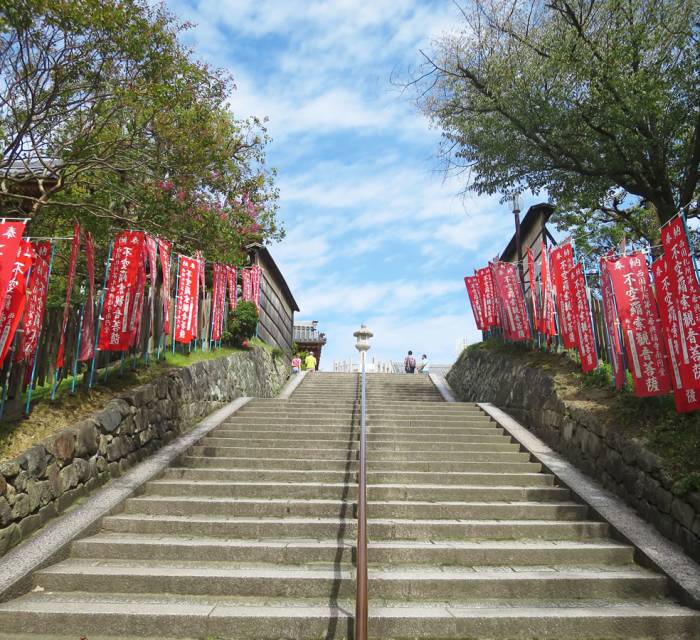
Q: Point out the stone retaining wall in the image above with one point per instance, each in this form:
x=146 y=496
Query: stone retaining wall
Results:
x=621 y=464
x=43 y=481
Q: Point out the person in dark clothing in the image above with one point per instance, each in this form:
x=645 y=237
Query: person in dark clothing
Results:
x=409 y=363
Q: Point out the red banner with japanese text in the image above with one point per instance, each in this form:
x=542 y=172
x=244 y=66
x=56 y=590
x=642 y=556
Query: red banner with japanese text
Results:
x=256 y=283
x=687 y=399
x=186 y=303
x=547 y=324
x=15 y=298
x=232 y=288
x=87 y=343
x=472 y=284
x=217 y=300
x=164 y=247
x=583 y=319
x=488 y=298
x=136 y=320
x=510 y=295
x=75 y=246
x=612 y=326
x=121 y=292
x=10 y=236
x=152 y=251
x=200 y=260
x=533 y=288
x=247 y=285
x=562 y=261
x=686 y=292
x=37 y=290
x=640 y=323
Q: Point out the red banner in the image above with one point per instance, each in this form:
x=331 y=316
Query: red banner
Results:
x=510 y=295
x=641 y=325
x=547 y=324
x=164 y=247
x=15 y=298
x=583 y=319
x=10 y=237
x=232 y=288
x=533 y=285
x=218 y=301
x=488 y=298
x=120 y=297
x=136 y=320
x=186 y=303
x=472 y=284
x=687 y=399
x=200 y=259
x=612 y=326
x=152 y=251
x=87 y=341
x=562 y=262
x=36 y=302
x=256 y=279
x=75 y=246
x=247 y=280
x=686 y=293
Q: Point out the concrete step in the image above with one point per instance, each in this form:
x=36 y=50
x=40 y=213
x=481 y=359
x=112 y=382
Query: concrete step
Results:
x=291 y=421
x=475 y=452
x=461 y=478
x=419 y=423
x=471 y=452
x=377 y=444
x=487 y=462
x=433 y=433
x=329 y=469
x=261 y=474
x=318 y=528
x=288 y=453
x=341 y=430
x=141 y=615
x=289 y=551
x=153 y=504
x=240 y=580
x=331 y=432
x=271 y=464
x=428 y=492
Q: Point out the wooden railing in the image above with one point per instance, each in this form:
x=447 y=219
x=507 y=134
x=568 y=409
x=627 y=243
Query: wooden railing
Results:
x=361 y=596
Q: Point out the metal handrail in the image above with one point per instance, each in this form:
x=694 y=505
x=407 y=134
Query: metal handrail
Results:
x=361 y=595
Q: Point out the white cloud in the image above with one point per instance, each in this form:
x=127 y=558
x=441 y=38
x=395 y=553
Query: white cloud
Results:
x=373 y=233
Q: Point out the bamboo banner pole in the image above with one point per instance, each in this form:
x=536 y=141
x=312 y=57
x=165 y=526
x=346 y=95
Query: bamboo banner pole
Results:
x=32 y=377
x=177 y=285
x=99 y=317
x=77 y=349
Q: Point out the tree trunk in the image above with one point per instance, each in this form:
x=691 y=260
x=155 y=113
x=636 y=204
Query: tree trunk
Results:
x=665 y=210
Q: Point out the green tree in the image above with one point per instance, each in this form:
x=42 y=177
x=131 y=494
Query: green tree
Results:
x=99 y=99
x=594 y=102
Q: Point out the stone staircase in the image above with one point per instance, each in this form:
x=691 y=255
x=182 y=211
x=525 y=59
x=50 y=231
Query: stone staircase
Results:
x=251 y=535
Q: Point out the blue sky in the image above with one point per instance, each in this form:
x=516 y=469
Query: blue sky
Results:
x=375 y=233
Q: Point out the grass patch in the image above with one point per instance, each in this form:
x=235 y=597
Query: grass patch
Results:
x=672 y=436
x=49 y=416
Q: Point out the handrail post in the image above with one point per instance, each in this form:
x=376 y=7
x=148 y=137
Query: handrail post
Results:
x=361 y=598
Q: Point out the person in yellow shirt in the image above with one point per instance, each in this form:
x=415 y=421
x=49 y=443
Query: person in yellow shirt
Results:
x=310 y=362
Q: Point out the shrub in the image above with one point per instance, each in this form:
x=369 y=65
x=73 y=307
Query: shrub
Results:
x=242 y=322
